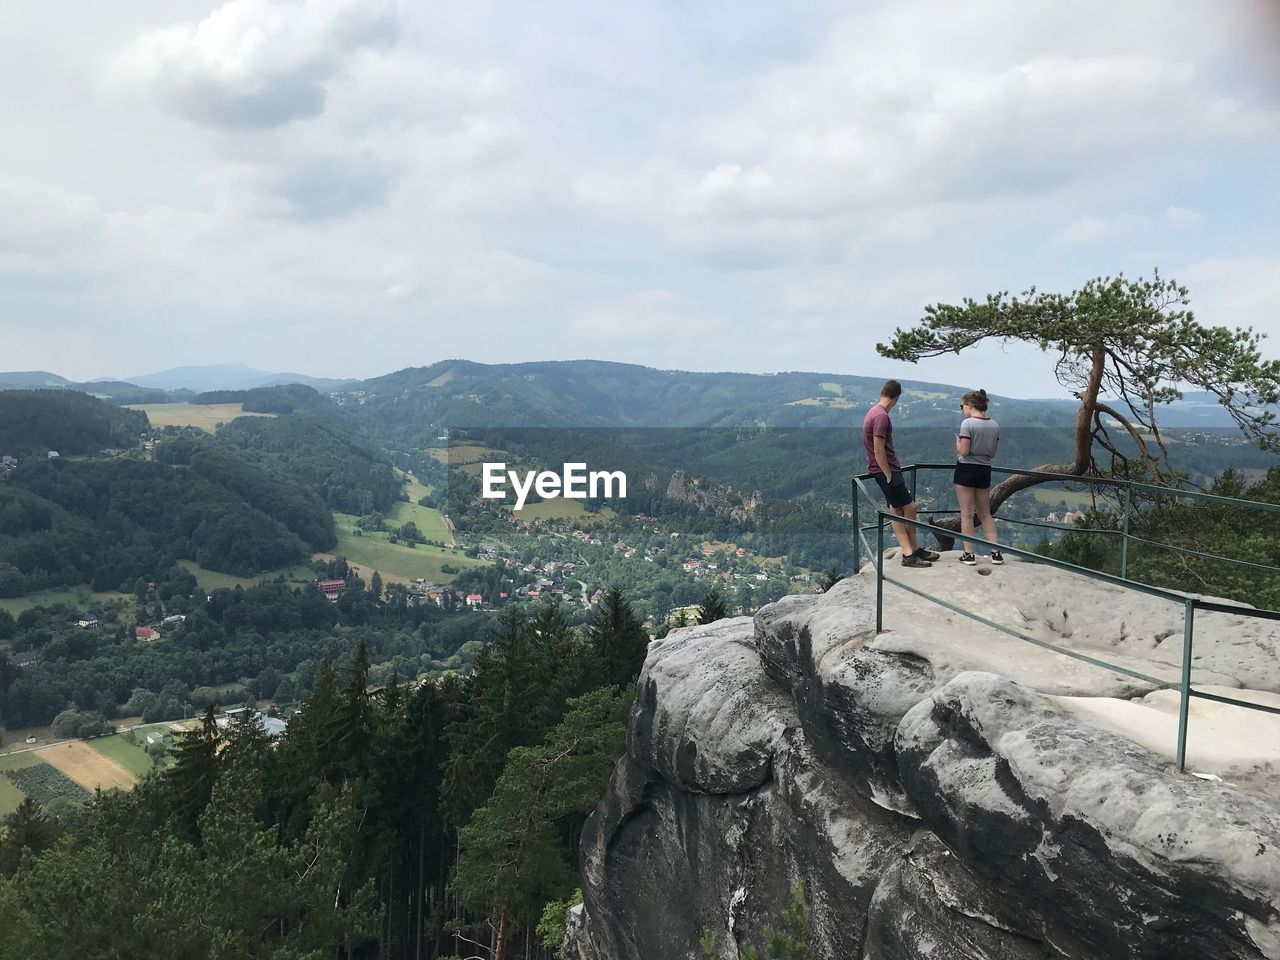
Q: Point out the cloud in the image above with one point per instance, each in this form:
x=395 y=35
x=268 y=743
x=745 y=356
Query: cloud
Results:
x=907 y=108
x=254 y=63
x=1237 y=292
x=648 y=315
x=1086 y=230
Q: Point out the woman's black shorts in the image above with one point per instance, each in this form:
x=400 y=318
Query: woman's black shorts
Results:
x=977 y=475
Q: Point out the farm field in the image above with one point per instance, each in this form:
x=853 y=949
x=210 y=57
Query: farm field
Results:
x=414 y=487
x=116 y=748
x=464 y=453
x=428 y=520
x=80 y=596
x=10 y=797
x=16 y=761
x=559 y=508
x=213 y=580
x=43 y=782
x=206 y=416
x=1075 y=499
x=86 y=766
x=375 y=551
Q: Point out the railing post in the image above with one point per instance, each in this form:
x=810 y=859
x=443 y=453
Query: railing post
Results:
x=880 y=572
x=1184 y=703
x=913 y=481
x=857 y=530
x=1124 y=532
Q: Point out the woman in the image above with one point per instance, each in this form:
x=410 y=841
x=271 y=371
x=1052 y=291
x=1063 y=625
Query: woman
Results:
x=976 y=445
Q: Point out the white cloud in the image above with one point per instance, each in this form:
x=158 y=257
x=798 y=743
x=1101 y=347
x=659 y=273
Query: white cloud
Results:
x=1237 y=292
x=254 y=63
x=1088 y=229
x=708 y=185
x=907 y=107
x=1182 y=217
x=646 y=316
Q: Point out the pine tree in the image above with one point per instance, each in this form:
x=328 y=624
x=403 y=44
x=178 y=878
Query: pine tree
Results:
x=375 y=586
x=712 y=608
x=618 y=642
x=194 y=772
x=27 y=828
x=513 y=857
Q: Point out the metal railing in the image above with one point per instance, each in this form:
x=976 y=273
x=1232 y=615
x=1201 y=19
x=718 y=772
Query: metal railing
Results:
x=1190 y=603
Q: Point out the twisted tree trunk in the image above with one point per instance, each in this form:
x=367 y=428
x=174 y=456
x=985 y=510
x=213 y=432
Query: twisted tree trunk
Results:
x=1078 y=466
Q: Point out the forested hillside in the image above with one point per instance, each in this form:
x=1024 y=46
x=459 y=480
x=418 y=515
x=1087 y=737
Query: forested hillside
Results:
x=592 y=393
x=321 y=451
x=264 y=642
x=405 y=821
x=108 y=523
x=64 y=420
x=285 y=398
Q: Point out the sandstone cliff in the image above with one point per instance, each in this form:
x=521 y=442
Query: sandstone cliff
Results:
x=943 y=790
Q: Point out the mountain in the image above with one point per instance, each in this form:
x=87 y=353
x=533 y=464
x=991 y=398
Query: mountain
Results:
x=594 y=393
x=227 y=376
x=1196 y=409
x=31 y=380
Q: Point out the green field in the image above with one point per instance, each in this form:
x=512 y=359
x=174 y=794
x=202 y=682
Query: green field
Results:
x=464 y=453
x=43 y=782
x=429 y=521
x=80 y=596
x=559 y=508
x=213 y=580
x=117 y=748
x=16 y=761
x=206 y=416
x=1075 y=499
x=375 y=551
x=10 y=795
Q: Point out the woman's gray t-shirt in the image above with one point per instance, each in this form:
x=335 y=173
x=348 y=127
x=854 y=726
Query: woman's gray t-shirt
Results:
x=984 y=438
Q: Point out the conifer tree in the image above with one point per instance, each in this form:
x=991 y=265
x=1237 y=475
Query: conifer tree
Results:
x=28 y=828
x=712 y=608
x=1122 y=348
x=194 y=772
x=618 y=642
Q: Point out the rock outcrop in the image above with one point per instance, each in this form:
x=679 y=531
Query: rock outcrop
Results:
x=943 y=790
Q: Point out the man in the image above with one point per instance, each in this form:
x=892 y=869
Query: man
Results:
x=877 y=438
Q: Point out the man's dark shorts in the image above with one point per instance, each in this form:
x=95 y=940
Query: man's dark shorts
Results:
x=895 y=489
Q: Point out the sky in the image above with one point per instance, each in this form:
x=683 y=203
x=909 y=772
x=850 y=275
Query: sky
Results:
x=349 y=187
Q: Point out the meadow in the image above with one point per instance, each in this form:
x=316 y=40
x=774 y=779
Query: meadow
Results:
x=560 y=508
x=129 y=756
x=79 y=596
x=376 y=552
x=213 y=580
x=206 y=416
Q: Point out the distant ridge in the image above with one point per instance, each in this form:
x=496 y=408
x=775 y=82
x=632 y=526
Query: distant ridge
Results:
x=31 y=380
x=227 y=376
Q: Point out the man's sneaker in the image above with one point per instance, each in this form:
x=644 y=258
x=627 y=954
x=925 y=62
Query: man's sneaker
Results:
x=916 y=560
x=970 y=559
x=929 y=555
x=997 y=557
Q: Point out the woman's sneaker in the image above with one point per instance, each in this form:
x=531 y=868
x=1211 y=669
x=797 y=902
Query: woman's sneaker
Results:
x=997 y=557
x=968 y=558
